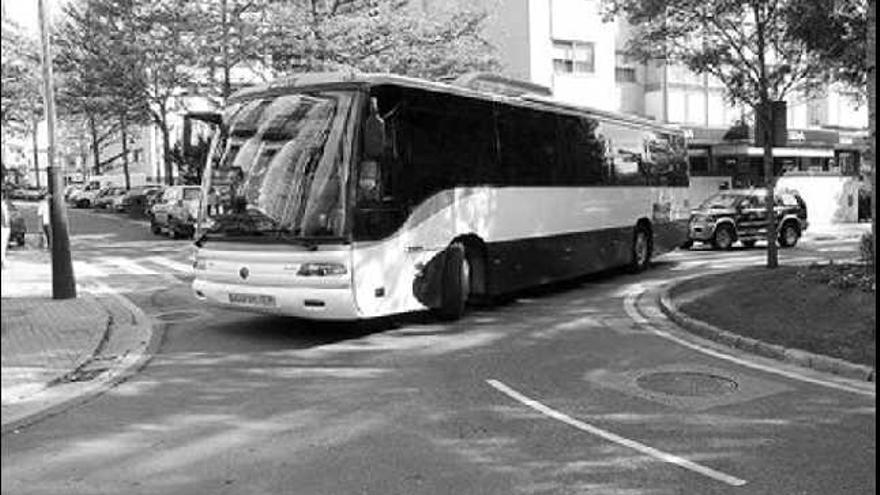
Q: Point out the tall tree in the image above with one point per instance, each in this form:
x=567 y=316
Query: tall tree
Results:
x=94 y=74
x=745 y=44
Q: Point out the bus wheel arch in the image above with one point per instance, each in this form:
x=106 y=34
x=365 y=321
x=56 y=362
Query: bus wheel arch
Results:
x=642 y=245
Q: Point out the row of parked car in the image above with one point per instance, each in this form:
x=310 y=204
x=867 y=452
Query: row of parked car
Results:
x=28 y=193
x=171 y=210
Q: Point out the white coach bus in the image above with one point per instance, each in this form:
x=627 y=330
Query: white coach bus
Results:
x=348 y=196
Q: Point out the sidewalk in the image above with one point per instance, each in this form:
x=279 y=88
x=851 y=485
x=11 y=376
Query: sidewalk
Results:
x=57 y=353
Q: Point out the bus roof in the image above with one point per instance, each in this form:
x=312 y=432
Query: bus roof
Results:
x=534 y=100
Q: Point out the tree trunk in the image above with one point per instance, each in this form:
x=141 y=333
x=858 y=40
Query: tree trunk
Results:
x=124 y=130
x=166 y=150
x=227 y=84
x=872 y=123
x=764 y=113
x=36 y=152
x=96 y=152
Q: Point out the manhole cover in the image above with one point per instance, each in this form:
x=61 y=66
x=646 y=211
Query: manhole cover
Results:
x=687 y=383
x=179 y=315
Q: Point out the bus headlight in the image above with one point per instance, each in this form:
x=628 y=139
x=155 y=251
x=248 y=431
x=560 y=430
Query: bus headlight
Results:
x=321 y=269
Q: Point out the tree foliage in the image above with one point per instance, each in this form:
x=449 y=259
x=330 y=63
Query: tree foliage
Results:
x=20 y=68
x=376 y=36
x=748 y=45
x=836 y=32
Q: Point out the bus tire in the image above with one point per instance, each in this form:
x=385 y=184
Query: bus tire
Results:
x=456 y=283
x=641 y=249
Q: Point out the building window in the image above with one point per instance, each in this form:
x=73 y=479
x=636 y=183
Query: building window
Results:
x=573 y=57
x=625 y=74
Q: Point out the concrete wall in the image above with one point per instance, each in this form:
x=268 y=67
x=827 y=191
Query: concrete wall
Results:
x=830 y=199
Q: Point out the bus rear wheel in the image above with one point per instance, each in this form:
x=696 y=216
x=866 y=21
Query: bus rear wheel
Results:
x=456 y=283
x=641 y=249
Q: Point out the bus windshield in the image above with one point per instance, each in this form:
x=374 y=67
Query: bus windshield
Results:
x=277 y=168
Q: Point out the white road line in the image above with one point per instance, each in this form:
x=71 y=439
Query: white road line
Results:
x=129 y=266
x=174 y=265
x=651 y=451
x=85 y=269
x=630 y=308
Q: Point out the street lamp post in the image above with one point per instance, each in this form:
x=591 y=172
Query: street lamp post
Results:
x=63 y=282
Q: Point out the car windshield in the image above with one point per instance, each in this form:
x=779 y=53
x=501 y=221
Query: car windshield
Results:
x=721 y=200
x=278 y=168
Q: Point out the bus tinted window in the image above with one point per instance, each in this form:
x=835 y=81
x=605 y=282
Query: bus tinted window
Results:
x=527 y=147
x=581 y=154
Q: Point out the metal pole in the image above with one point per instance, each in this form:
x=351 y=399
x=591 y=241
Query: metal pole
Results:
x=63 y=282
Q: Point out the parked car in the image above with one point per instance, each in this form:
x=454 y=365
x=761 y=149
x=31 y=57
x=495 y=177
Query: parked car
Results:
x=177 y=212
x=83 y=198
x=153 y=198
x=106 y=199
x=17 y=226
x=72 y=189
x=128 y=198
x=741 y=215
x=30 y=193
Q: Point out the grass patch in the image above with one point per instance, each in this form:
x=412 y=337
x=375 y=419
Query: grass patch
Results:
x=826 y=309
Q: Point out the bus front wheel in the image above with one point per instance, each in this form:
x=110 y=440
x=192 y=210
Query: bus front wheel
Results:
x=456 y=283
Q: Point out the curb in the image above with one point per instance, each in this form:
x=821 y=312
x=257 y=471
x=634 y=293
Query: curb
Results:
x=798 y=357
x=122 y=366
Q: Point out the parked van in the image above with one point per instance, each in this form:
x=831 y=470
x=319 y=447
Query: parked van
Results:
x=176 y=213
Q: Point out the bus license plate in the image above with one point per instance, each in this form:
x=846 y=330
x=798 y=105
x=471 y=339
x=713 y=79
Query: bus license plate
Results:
x=252 y=299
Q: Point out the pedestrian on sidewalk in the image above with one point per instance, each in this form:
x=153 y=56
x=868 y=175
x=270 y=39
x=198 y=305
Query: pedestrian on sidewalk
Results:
x=43 y=212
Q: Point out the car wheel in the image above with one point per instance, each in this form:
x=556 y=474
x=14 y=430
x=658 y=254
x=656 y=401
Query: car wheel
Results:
x=641 y=250
x=687 y=244
x=19 y=240
x=154 y=228
x=749 y=244
x=789 y=235
x=723 y=238
x=456 y=283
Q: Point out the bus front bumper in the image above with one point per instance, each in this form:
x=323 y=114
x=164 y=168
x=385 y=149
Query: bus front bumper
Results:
x=303 y=302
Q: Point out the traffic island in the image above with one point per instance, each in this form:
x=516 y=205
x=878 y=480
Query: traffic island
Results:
x=819 y=316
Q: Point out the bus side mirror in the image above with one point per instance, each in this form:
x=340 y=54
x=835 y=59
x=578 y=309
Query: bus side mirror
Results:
x=374 y=132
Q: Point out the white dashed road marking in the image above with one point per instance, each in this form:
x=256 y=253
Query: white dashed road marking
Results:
x=129 y=266
x=169 y=263
x=612 y=437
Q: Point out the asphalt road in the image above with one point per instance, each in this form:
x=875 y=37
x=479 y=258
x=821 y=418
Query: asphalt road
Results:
x=577 y=388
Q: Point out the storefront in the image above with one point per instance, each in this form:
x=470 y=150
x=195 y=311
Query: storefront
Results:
x=823 y=165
